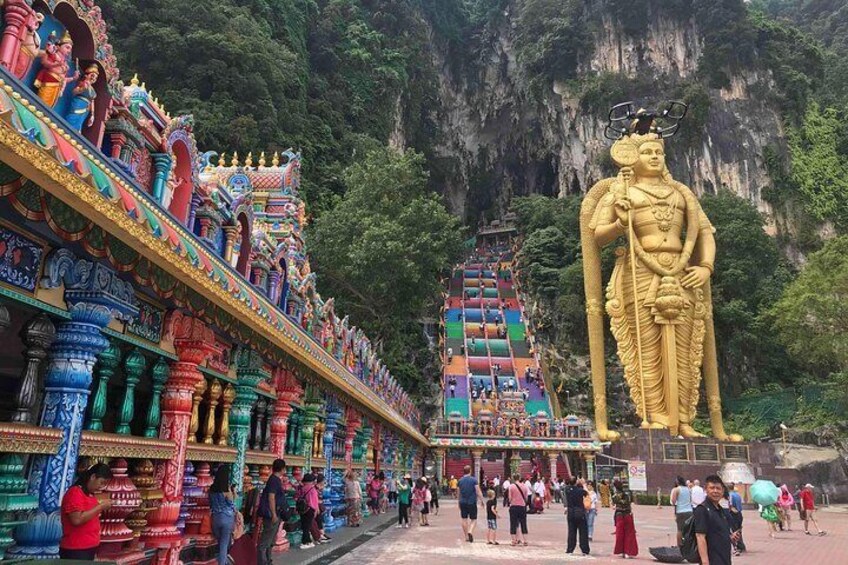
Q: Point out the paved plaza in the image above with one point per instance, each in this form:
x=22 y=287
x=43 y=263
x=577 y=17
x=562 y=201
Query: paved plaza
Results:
x=442 y=543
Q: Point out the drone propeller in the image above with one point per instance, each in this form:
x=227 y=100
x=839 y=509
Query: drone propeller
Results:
x=624 y=119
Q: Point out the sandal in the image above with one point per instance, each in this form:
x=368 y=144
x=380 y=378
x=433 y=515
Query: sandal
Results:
x=524 y=544
x=495 y=543
x=514 y=543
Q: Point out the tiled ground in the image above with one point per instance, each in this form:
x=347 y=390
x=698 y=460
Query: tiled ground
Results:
x=442 y=544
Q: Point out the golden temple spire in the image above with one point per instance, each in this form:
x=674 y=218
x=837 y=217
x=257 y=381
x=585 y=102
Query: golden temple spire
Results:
x=221 y=161
x=144 y=86
x=134 y=80
x=262 y=159
x=234 y=162
x=275 y=161
x=248 y=162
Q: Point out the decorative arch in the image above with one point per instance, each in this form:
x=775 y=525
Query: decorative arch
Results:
x=179 y=143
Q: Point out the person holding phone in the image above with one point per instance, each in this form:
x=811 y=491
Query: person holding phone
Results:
x=81 y=514
x=221 y=497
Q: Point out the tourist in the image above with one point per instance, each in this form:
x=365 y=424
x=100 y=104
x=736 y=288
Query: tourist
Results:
x=529 y=486
x=771 y=515
x=419 y=504
x=785 y=502
x=712 y=530
x=736 y=510
x=353 y=499
x=698 y=494
x=309 y=494
x=450 y=355
x=539 y=488
x=538 y=504
x=453 y=485
x=548 y=492
x=81 y=514
x=681 y=499
x=223 y=510
x=469 y=495
x=604 y=493
x=505 y=490
x=491 y=518
x=592 y=513
x=404 y=495
x=453 y=390
x=496 y=484
x=517 y=495
x=270 y=502
x=318 y=534
x=434 y=496
x=375 y=486
x=575 y=509
x=391 y=484
x=808 y=507
x=625 y=531
x=384 y=494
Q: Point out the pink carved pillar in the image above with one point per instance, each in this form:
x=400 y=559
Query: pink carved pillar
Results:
x=377 y=446
x=288 y=391
x=194 y=342
x=15 y=15
x=354 y=422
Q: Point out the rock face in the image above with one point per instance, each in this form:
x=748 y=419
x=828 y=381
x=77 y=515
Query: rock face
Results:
x=497 y=138
x=825 y=468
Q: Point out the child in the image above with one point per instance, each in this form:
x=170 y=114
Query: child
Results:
x=538 y=504
x=491 y=518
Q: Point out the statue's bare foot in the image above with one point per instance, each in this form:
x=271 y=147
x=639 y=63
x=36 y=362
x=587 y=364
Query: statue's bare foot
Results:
x=608 y=435
x=688 y=431
x=657 y=426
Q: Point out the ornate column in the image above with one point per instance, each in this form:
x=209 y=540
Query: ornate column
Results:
x=477 y=455
x=162 y=163
x=439 y=454
x=377 y=448
x=258 y=423
x=38 y=334
x=354 y=421
x=590 y=466
x=15 y=15
x=194 y=342
x=230 y=235
x=134 y=366
x=227 y=399
x=266 y=428
x=514 y=462
x=118 y=139
x=159 y=375
x=94 y=295
x=250 y=371
x=288 y=392
x=196 y=201
x=331 y=424
x=552 y=460
x=197 y=397
x=213 y=395
x=307 y=430
x=107 y=362
x=274 y=286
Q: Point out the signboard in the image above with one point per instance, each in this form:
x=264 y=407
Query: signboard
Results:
x=637 y=475
x=706 y=452
x=739 y=473
x=736 y=452
x=676 y=451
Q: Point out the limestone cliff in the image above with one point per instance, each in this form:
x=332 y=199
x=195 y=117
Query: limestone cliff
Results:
x=498 y=137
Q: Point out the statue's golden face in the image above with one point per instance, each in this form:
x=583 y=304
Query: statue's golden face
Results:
x=651 y=161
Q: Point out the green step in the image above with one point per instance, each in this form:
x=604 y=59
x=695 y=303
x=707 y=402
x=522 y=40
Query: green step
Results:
x=534 y=406
x=456 y=405
x=516 y=332
x=498 y=348
x=455 y=330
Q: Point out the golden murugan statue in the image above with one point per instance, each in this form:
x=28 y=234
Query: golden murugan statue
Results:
x=658 y=297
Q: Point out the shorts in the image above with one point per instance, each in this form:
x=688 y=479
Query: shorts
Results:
x=681 y=519
x=468 y=511
x=435 y=503
x=492 y=524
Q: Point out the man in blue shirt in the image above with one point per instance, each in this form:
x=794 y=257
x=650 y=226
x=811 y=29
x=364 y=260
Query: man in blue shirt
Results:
x=469 y=494
x=736 y=510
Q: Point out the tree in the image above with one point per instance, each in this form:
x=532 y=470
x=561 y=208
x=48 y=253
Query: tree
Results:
x=812 y=315
x=381 y=251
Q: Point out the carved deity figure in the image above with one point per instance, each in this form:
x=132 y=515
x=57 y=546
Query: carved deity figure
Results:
x=81 y=111
x=30 y=45
x=658 y=297
x=55 y=64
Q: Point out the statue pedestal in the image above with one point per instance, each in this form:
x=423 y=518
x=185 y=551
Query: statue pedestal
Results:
x=668 y=457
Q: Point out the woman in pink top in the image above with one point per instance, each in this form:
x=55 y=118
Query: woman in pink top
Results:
x=517 y=495
x=785 y=502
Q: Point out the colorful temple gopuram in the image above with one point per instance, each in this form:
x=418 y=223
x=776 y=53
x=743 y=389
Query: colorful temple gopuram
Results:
x=500 y=414
x=158 y=311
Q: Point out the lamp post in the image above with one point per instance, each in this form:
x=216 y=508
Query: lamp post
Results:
x=783 y=429
x=567 y=399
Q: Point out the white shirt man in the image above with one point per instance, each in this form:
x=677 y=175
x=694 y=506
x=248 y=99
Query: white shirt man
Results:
x=539 y=488
x=496 y=481
x=698 y=493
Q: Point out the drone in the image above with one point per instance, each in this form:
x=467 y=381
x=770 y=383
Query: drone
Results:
x=625 y=119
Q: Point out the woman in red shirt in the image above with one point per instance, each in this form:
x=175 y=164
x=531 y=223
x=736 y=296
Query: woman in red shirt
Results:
x=81 y=514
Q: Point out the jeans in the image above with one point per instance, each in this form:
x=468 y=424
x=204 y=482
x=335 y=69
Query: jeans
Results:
x=577 y=524
x=403 y=513
x=266 y=540
x=590 y=521
x=222 y=529
x=306 y=520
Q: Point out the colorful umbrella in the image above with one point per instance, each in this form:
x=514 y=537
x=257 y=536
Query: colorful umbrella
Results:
x=764 y=492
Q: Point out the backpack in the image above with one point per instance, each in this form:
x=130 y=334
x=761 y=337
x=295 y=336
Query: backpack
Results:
x=689 y=545
x=300 y=502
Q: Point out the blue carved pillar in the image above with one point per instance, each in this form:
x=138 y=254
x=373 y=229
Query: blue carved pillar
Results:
x=331 y=424
x=250 y=370
x=196 y=201
x=162 y=163
x=94 y=295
